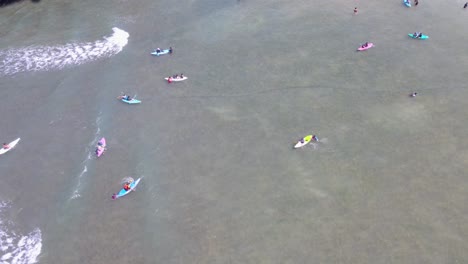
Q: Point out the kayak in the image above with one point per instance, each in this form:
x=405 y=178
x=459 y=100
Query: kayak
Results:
x=11 y=144
x=103 y=144
x=304 y=141
x=162 y=52
x=123 y=192
x=177 y=79
x=407 y=3
x=369 y=45
x=422 y=37
x=132 y=101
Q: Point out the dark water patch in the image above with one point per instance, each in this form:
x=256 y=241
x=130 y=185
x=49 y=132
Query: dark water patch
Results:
x=8 y=2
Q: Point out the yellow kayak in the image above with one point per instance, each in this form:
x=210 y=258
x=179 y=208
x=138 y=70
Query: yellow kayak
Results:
x=304 y=141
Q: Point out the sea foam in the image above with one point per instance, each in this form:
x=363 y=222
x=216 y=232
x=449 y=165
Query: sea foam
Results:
x=44 y=58
x=17 y=248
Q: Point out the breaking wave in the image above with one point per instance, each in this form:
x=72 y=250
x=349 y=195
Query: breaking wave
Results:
x=44 y=58
x=17 y=248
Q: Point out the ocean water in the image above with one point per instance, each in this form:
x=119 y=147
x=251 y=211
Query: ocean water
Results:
x=221 y=183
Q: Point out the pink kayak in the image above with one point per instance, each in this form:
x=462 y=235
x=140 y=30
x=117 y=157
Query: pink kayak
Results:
x=369 y=45
x=101 y=147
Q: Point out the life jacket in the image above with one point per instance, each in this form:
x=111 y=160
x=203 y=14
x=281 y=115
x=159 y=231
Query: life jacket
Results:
x=127 y=187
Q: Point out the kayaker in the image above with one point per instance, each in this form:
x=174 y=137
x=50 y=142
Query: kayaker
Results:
x=413 y=94
x=124 y=97
x=170 y=50
x=416 y=2
x=175 y=76
x=466 y=5
x=99 y=148
x=169 y=79
x=420 y=35
x=181 y=75
x=365 y=45
x=6 y=146
x=355 y=10
x=127 y=186
x=158 y=50
x=315 y=138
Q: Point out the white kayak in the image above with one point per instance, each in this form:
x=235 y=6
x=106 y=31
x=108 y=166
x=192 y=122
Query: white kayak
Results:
x=305 y=140
x=177 y=79
x=11 y=146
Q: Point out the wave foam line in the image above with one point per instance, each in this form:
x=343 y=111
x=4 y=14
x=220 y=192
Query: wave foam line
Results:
x=44 y=58
x=76 y=193
x=18 y=249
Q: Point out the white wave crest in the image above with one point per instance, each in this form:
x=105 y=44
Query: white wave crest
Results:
x=43 y=58
x=16 y=248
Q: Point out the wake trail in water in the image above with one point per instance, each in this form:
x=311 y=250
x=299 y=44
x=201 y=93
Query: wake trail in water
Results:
x=76 y=193
x=45 y=58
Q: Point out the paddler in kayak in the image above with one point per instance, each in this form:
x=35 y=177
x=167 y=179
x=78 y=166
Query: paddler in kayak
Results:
x=6 y=146
x=365 y=45
x=170 y=50
x=99 y=148
x=158 y=50
x=127 y=186
x=125 y=97
x=417 y=34
x=314 y=138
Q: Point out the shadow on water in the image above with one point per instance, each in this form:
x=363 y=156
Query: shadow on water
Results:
x=4 y=3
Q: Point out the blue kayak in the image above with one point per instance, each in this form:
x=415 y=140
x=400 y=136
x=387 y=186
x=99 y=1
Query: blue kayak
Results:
x=132 y=101
x=422 y=36
x=123 y=192
x=162 y=52
x=407 y=3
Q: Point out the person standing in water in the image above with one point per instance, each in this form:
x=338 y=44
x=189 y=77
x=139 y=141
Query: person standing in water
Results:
x=416 y=2
x=355 y=10
x=466 y=5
